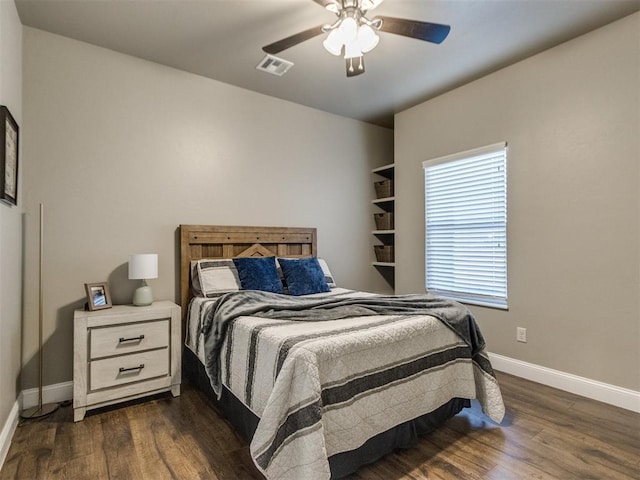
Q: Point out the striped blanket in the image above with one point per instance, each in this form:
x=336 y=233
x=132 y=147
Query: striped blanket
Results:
x=326 y=373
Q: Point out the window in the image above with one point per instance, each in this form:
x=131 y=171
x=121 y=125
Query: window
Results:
x=466 y=226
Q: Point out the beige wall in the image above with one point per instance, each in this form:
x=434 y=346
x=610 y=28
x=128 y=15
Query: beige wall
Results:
x=571 y=118
x=122 y=151
x=10 y=219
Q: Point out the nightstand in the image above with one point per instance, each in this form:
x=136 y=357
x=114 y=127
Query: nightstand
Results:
x=125 y=352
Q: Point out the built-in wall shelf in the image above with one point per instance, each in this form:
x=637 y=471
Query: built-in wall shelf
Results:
x=386 y=171
x=382 y=201
x=384 y=232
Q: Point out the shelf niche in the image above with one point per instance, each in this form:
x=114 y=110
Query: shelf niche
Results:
x=384 y=182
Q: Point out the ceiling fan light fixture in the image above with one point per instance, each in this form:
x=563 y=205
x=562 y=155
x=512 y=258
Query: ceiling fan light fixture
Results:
x=349 y=29
x=356 y=37
x=334 y=42
x=352 y=50
x=367 y=38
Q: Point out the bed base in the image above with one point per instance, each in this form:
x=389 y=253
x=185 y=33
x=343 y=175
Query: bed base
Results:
x=245 y=422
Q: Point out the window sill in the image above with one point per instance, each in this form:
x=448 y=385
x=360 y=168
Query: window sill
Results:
x=477 y=303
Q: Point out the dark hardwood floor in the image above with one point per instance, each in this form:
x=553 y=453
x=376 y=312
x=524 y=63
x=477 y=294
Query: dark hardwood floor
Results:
x=546 y=434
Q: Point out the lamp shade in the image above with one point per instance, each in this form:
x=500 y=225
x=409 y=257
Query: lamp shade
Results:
x=333 y=43
x=143 y=266
x=367 y=38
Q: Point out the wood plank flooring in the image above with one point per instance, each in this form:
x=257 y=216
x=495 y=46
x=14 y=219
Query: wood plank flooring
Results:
x=546 y=434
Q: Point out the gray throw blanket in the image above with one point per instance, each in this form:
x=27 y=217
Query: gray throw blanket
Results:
x=276 y=306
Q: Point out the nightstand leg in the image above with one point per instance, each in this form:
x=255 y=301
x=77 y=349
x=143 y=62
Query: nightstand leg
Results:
x=175 y=390
x=78 y=414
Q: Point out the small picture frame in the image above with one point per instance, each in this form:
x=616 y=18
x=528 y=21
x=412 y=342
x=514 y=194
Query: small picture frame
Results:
x=98 y=296
x=9 y=148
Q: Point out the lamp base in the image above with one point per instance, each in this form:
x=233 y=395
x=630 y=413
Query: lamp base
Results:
x=39 y=411
x=143 y=297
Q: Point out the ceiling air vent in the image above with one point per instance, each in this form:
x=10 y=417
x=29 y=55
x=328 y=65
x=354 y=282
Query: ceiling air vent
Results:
x=274 y=65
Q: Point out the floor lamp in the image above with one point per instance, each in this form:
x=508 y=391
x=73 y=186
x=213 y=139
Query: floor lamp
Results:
x=40 y=410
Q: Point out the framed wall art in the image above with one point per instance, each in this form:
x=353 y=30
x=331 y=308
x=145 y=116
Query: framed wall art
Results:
x=9 y=137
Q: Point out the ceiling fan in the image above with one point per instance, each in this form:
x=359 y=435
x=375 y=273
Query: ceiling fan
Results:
x=353 y=34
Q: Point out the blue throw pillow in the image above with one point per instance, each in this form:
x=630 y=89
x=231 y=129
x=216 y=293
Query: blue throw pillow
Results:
x=303 y=276
x=258 y=273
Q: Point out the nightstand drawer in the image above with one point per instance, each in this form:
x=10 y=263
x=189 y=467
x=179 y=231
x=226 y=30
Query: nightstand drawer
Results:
x=124 y=339
x=111 y=372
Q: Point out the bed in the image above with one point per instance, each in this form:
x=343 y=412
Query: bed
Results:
x=323 y=383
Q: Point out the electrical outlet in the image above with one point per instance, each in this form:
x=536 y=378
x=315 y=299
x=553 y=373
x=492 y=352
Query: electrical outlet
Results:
x=521 y=334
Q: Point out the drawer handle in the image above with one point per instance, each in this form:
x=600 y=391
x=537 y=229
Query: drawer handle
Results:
x=139 y=338
x=139 y=367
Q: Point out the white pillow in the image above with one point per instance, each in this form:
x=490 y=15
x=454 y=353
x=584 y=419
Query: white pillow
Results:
x=213 y=277
x=328 y=277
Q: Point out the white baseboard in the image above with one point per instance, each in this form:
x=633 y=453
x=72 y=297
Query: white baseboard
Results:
x=29 y=398
x=603 y=392
x=9 y=428
x=56 y=393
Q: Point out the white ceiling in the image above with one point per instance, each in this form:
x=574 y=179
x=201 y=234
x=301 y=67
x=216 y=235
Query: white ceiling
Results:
x=222 y=39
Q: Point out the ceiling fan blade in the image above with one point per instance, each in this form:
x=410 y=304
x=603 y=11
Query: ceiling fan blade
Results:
x=430 y=32
x=280 y=45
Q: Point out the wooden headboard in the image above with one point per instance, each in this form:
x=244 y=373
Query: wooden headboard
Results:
x=214 y=241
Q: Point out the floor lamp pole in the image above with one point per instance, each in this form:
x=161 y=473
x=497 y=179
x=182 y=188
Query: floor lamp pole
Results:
x=41 y=410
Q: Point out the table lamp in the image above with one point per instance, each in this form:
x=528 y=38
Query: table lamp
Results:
x=143 y=266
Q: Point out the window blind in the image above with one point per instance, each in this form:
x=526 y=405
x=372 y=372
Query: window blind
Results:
x=466 y=226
